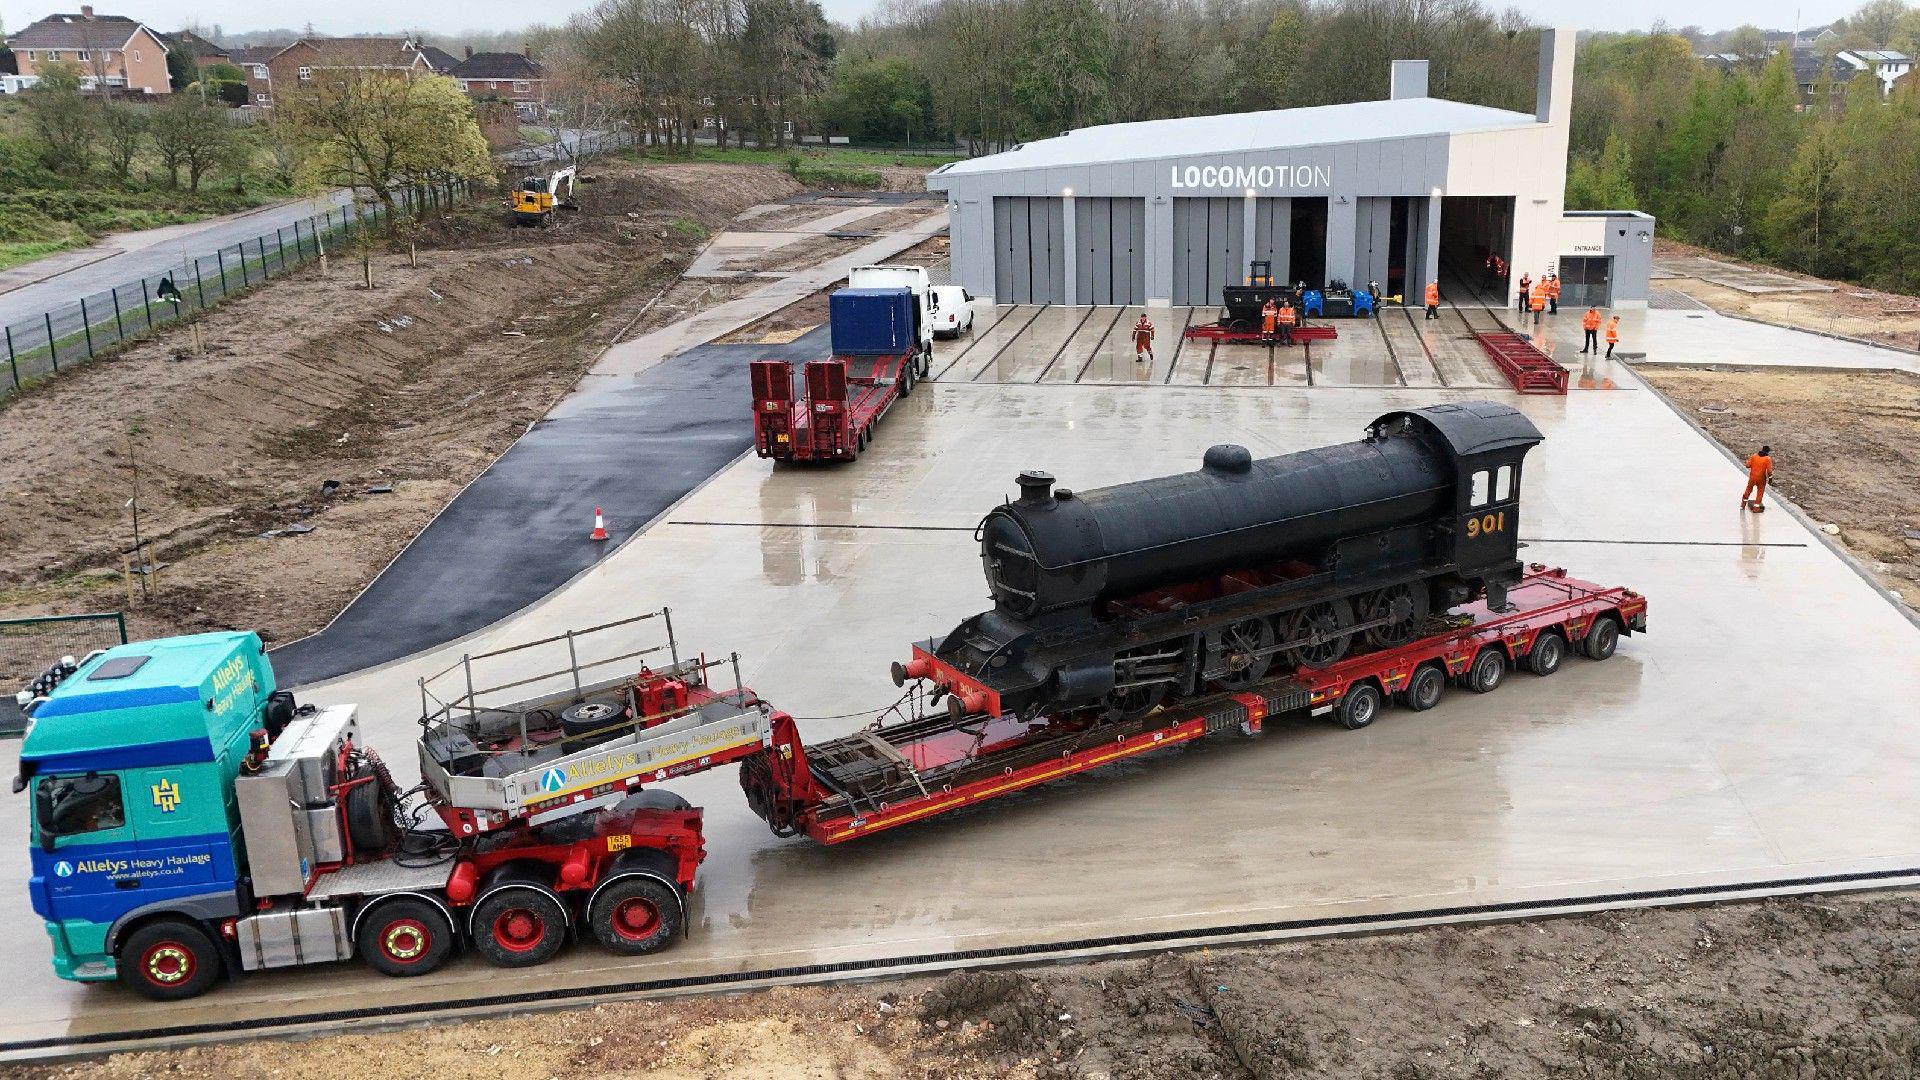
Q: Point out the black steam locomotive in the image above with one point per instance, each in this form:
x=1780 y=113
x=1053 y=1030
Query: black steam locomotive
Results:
x=1116 y=598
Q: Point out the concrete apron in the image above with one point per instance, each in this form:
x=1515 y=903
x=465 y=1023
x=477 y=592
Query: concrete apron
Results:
x=1676 y=765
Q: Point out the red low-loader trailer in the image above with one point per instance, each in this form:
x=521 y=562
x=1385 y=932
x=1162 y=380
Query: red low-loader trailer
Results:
x=936 y=762
x=832 y=416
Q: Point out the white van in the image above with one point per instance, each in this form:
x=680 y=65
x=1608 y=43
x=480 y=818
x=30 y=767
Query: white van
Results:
x=952 y=311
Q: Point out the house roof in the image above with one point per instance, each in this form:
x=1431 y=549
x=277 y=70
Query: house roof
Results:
x=439 y=59
x=194 y=43
x=1277 y=129
x=357 y=52
x=1882 y=56
x=254 y=54
x=496 y=65
x=1807 y=66
x=75 y=31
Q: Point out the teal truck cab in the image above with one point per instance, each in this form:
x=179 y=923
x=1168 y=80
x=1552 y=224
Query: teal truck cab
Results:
x=189 y=821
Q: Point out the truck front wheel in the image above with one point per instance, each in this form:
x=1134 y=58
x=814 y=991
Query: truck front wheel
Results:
x=635 y=915
x=169 y=960
x=405 y=937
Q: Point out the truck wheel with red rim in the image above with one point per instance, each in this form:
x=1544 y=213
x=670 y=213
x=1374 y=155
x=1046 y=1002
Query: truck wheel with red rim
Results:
x=1359 y=705
x=1424 y=689
x=635 y=915
x=405 y=936
x=169 y=960
x=519 y=927
x=1489 y=668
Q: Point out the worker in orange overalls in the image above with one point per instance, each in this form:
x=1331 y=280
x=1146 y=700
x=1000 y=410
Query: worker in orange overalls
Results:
x=1285 y=319
x=1433 y=299
x=1268 y=314
x=1759 y=471
x=1590 y=322
x=1538 y=301
x=1553 y=294
x=1613 y=335
x=1143 y=339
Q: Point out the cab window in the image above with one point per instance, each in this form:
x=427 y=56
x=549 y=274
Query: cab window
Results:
x=76 y=805
x=1480 y=496
x=1503 y=484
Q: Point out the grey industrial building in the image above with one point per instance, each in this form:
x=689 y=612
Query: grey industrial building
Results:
x=1398 y=192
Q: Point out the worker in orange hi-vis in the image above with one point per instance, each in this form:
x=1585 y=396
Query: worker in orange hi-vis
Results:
x=1553 y=294
x=1537 y=303
x=1285 y=319
x=1590 y=322
x=1268 y=314
x=1759 y=471
x=1613 y=335
x=1433 y=299
x=1143 y=339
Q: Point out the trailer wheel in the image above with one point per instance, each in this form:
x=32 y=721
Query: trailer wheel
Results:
x=169 y=960
x=1424 y=689
x=635 y=915
x=906 y=376
x=1602 y=638
x=1359 y=706
x=519 y=927
x=404 y=937
x=1489 y=668
x=1549 y=649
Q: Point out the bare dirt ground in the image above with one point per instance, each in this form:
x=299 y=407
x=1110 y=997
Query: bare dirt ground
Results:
x=1846 y=448
x=803 y=315
x=1820 y=987
x=415 y=385
x=1851 y=310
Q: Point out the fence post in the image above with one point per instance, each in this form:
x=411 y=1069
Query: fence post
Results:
x=263 y=257
x=53 y=347
x=220 y=256
x=118 y=330
x=11 y=361
x=86 y=326
x=200 y=287
x=146 y=303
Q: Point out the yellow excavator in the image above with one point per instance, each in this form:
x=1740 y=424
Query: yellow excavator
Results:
x=539 y=196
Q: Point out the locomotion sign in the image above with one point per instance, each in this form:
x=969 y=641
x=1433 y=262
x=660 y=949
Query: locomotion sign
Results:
x=1259 y=177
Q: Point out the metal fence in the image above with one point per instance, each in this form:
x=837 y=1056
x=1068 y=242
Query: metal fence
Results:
x=77 y=332
x=28 y=646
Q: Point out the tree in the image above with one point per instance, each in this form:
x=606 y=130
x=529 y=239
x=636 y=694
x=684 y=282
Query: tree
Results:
x=196 y=136
x=182 y=70
x=878 y=101
x=123 y=129
x=62 y=121
x=1064 y=53
x=1605 y=183
x=786 y=50
x=1749 y=44
x=378 y=134
x=1878 y=20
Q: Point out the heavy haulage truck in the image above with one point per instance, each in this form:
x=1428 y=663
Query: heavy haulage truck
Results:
x=190 y=820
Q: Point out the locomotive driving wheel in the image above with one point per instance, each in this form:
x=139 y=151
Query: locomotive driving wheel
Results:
x=1247 y=648
x=1318 y=634
x=1397 y=612
x=1135 y=701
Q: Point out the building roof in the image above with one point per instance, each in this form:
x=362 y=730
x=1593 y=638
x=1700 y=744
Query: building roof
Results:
x=496 y=65
x=76 y=31
x=1807 y=66
x=359 y=52
x=1882 y=56
x=193 y=43
x=1230 y=133
x=254 y=54
x=438 y=59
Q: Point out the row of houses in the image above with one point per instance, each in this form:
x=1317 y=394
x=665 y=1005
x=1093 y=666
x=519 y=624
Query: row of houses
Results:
x=1813 y=66
x=119 y=53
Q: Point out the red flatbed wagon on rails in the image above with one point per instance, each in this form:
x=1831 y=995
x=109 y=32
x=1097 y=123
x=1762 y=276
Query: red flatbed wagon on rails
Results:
x=940 y=760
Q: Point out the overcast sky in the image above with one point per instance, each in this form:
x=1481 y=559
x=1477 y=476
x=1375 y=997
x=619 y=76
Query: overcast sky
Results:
x=453 y=16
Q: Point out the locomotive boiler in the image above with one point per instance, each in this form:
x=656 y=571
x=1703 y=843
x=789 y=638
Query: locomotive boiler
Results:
x=1115 y=599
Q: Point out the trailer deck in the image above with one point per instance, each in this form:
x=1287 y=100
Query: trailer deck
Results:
x=826 y=411
x=934 y=762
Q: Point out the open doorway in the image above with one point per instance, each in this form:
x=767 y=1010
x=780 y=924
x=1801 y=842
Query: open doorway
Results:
x=1307 y=249
x=1472 y=228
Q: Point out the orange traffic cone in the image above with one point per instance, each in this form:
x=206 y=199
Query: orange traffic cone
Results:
x=599 y=526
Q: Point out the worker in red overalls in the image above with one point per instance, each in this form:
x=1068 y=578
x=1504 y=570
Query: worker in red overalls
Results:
x=1143 y=339
x=1433 y=300
x=1268 y=313
x=1285 y=319
x=1759 y=471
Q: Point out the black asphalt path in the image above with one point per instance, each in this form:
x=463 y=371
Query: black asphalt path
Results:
x=520 y=531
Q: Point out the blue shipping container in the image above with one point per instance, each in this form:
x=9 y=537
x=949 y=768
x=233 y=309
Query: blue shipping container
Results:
x=870 y=322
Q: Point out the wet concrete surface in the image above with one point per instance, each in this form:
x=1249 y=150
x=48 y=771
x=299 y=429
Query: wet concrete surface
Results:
x=631 y=447
x=1679 y=762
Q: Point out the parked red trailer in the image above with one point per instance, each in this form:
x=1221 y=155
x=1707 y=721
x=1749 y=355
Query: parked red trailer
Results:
x=832 y=416
x=936 y=761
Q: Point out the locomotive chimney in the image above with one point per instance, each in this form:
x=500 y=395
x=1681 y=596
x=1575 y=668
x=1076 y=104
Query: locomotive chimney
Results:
x=1036 y=487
